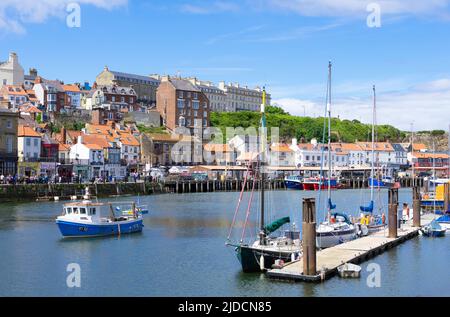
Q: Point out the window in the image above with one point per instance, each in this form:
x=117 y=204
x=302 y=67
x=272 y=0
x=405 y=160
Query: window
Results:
x=195 y=95
x=131 y=100
x=75 y=210
x=180 y=95
x=93 y=211
x=83 y=211
x=28 y=141
x=195 y=104
x=68 y=210
x=181 y=121
x=9 y=124
x=9 y=144
x=180 y=104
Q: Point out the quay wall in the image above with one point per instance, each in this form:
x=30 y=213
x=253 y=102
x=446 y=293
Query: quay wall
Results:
x=31 y=192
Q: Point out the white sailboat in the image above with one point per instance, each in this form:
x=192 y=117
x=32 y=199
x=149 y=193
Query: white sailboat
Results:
x=337 y=228
x=373 y=222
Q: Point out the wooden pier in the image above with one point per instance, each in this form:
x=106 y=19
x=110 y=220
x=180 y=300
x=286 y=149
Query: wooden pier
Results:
x=355 y=251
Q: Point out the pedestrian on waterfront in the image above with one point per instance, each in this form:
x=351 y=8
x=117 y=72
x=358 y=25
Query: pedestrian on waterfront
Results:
x=2 y=179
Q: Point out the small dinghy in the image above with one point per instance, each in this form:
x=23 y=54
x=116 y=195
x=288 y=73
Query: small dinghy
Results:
x=434 y=229
x=349 y=270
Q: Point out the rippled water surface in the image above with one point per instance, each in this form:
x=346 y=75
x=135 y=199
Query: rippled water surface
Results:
x=182 y=252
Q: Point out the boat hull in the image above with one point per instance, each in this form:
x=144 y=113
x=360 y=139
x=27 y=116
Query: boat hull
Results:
x=293 y=185
x=330 y=239
x=376 y=183
x=317 y=185
x=434 y=233
x=74 y=229
x=249 y=257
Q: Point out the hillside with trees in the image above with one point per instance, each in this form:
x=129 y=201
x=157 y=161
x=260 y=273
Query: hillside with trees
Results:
x=306 y=128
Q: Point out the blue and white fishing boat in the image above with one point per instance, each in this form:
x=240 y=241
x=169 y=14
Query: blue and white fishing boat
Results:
x=93 y=219
x=294 y=182
x=384 y=182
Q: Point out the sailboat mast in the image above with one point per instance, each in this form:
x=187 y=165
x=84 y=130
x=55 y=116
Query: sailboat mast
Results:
x=372 y=172
x=262 y=144
x=329 y=129
x=412 y=155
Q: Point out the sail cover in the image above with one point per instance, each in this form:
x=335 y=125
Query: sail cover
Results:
x=331 y=206
x=276 y=225
x=368 y=208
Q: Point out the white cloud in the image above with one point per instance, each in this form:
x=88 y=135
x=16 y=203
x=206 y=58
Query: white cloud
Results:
x=15 y=13
x=428 y=108
x=352 y=8
x=208 y=7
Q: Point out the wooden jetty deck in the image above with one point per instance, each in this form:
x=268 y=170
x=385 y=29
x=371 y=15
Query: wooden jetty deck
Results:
x=355 y=251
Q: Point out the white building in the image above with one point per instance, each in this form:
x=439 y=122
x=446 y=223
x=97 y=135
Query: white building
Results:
x=281 y=155
x=217 y=97
x=242 y=98
x=384 y=153
x=90 y=154
x=351 y=153
x=11 y=72
x=312 y=154
x=28 y=143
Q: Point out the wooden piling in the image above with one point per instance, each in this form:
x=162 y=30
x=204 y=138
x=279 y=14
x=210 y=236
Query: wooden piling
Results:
x=393 y=207
x=309 y=236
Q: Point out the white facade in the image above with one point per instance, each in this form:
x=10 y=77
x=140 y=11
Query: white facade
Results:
x=11 y=72
x=240 y=98
x=217 y=97
x=310 y=155
x=129 y=153
x=28 y=147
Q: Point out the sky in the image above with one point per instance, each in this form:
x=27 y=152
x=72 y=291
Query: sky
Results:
x=284 y=45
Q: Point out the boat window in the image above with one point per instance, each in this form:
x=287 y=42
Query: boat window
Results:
x=75 y=210
x=93 y=211
x=83 y=211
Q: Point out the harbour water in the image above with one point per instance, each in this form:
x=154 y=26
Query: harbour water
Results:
x=182 y=252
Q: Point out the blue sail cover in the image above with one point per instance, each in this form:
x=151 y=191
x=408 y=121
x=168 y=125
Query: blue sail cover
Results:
x=368 y=208
x=331 y=206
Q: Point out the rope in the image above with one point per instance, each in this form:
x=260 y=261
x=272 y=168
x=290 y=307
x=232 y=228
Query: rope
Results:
x=248 y=210
x=239 y=203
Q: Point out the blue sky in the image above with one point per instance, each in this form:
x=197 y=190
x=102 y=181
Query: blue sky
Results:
x=283 y=44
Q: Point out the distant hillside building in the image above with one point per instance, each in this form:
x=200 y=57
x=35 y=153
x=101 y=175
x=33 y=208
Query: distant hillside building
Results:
x=145 y=86
x=242 y=98
x=182 y=104
x=217 y=97
x=11 y=72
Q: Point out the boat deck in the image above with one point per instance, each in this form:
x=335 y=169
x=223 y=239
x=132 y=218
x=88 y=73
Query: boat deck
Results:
x=355 y=251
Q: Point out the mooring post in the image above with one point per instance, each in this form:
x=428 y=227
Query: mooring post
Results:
x=416 y=206
x=393 y=207
x=309 y=236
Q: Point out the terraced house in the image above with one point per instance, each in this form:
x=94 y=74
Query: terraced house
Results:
x=8 y=142
x=145 y=86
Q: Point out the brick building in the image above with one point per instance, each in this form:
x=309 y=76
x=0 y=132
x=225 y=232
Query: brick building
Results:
x=181 y=104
